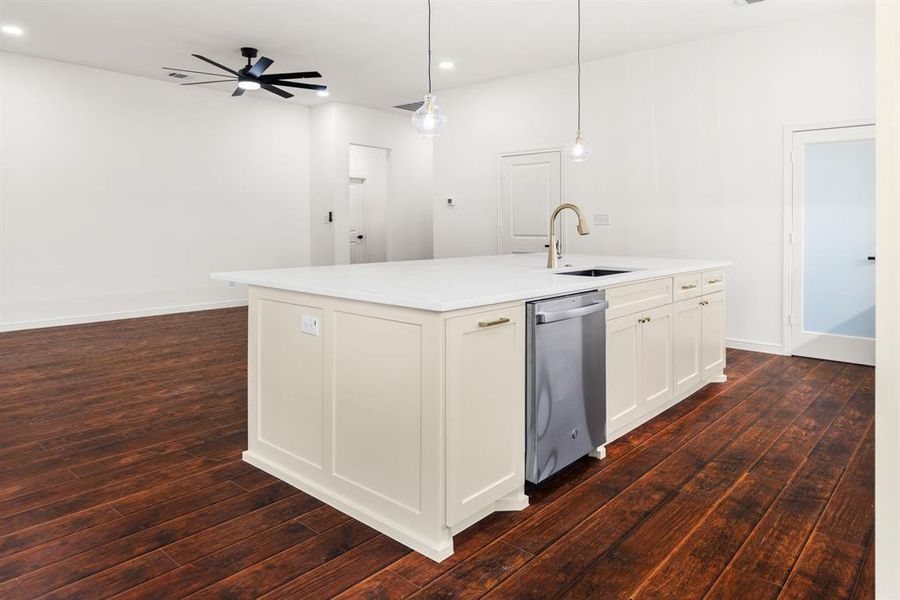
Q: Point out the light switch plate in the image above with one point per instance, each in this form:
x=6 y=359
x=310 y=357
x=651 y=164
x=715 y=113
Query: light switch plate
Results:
x=601 y=219
x=309 y=325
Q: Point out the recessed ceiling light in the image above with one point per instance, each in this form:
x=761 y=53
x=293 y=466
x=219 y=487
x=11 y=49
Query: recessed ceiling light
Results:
x=323 y=93
x=12 y=30
x=446 y=64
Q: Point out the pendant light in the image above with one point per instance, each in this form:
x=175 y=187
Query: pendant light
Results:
x=429 y=120
x=580 y=150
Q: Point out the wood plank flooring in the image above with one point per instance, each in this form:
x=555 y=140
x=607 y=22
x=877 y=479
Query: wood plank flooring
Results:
x=120 y=476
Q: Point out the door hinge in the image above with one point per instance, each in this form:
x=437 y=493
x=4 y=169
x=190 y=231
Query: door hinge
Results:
x=791 y=238
x=793 y=156
x=791 y=320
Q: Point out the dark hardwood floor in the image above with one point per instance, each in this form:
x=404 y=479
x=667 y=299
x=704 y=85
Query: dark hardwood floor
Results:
x=120 y=475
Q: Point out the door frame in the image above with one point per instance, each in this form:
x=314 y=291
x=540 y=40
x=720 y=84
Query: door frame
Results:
x=787 y=268
x=499 y=189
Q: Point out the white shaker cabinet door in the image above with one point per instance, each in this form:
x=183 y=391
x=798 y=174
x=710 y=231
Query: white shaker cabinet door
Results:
x=713 y=345
x=485 y=407
x=622 y=371
x=687 y=319
x=656 y=357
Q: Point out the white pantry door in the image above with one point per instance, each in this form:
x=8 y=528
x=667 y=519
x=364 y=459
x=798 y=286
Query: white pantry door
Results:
x=357 y=237
x=833 y=244
x=530 y=189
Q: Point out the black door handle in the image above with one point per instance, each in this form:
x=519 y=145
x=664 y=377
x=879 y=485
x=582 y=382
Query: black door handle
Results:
x=871 y=258
x=359 y=237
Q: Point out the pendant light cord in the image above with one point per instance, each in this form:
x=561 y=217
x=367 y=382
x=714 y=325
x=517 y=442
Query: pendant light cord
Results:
x=429 y=46
x=578 y=61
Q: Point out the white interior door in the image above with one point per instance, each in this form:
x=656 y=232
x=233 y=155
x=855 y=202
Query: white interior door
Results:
x=530 y=189
x=356 y=228
x=833 y=244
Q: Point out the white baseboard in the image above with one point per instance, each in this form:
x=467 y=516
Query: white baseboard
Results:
x=123 y=314
x=754 y=346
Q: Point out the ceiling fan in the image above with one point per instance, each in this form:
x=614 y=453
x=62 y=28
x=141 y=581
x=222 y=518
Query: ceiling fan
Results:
x=253 y=77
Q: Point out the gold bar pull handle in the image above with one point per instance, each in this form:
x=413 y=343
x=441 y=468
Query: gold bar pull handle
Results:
x=711 y=281
x=689 y=286
x=499 y=321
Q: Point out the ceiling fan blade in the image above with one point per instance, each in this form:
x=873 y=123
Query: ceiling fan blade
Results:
x=238 y=92
x=261 y=65
x=299 y=75
x=197 y=72
x=275 y=90
x=294 y=84
x=215 y=64
x=205 y=82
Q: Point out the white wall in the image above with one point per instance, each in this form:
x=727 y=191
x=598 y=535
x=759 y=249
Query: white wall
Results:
x=409 y=219
x=887 y=343
x=120 y=194
x=687 y=148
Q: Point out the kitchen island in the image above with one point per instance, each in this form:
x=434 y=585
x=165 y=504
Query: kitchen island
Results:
x=395 y=392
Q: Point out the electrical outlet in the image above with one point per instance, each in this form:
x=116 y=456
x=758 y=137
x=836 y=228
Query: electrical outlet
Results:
x=451 y=203
x=309 y=325
x=601 y=219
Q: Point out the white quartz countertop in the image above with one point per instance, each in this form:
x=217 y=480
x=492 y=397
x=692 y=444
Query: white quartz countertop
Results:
x=455 y=283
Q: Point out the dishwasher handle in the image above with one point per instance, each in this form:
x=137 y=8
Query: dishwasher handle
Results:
x=553 y=317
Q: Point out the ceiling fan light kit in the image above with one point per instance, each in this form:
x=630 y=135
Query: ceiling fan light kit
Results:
x=253 y=77
x=429 y=120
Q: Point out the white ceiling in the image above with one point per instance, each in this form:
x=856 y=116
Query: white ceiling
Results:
x=371 y=52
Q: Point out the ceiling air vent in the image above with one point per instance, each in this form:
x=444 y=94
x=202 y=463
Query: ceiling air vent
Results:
x=411 y=107
x=177 y=75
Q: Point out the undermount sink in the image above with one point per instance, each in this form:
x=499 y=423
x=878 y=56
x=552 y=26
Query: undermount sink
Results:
x=592 y=272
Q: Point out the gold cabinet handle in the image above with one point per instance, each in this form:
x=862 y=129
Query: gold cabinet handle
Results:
x=715 y=281
x=689 y=286
x=704 y=302
x=499 y=321
x=644 y=320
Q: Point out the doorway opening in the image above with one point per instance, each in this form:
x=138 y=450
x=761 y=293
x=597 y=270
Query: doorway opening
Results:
x=368 y=207
x=830 y=234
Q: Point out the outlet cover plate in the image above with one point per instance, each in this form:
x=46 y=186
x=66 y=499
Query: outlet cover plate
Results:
x=309 y=325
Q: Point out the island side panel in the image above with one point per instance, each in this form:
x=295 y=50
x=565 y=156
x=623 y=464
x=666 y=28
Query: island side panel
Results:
x=485 y=383
x=353 y=415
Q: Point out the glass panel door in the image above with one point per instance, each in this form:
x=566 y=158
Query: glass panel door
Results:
x=833 y=205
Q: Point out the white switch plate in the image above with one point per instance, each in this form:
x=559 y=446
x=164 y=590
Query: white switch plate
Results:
x=601 y=219
x=309 y=324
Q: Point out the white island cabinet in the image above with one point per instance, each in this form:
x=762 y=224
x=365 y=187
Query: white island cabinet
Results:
x=395 y=391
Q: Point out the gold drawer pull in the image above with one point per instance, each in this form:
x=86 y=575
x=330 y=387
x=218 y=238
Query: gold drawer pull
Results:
x=644 y=320
x=499 y=321
x=689 y=286
x=704 y=302
x=715 y=281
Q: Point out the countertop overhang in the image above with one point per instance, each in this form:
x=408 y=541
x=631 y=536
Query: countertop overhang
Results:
x=455 y=283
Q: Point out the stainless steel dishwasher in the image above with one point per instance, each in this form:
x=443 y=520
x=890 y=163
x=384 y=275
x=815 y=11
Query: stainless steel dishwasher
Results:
x=565 y=385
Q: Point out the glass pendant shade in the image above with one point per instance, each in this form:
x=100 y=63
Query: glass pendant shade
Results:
x=580 y=150
x=429 y=120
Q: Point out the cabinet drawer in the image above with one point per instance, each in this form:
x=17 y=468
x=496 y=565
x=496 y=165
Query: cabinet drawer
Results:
x=713 y=281
x=628 y=299
x=686 y=286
